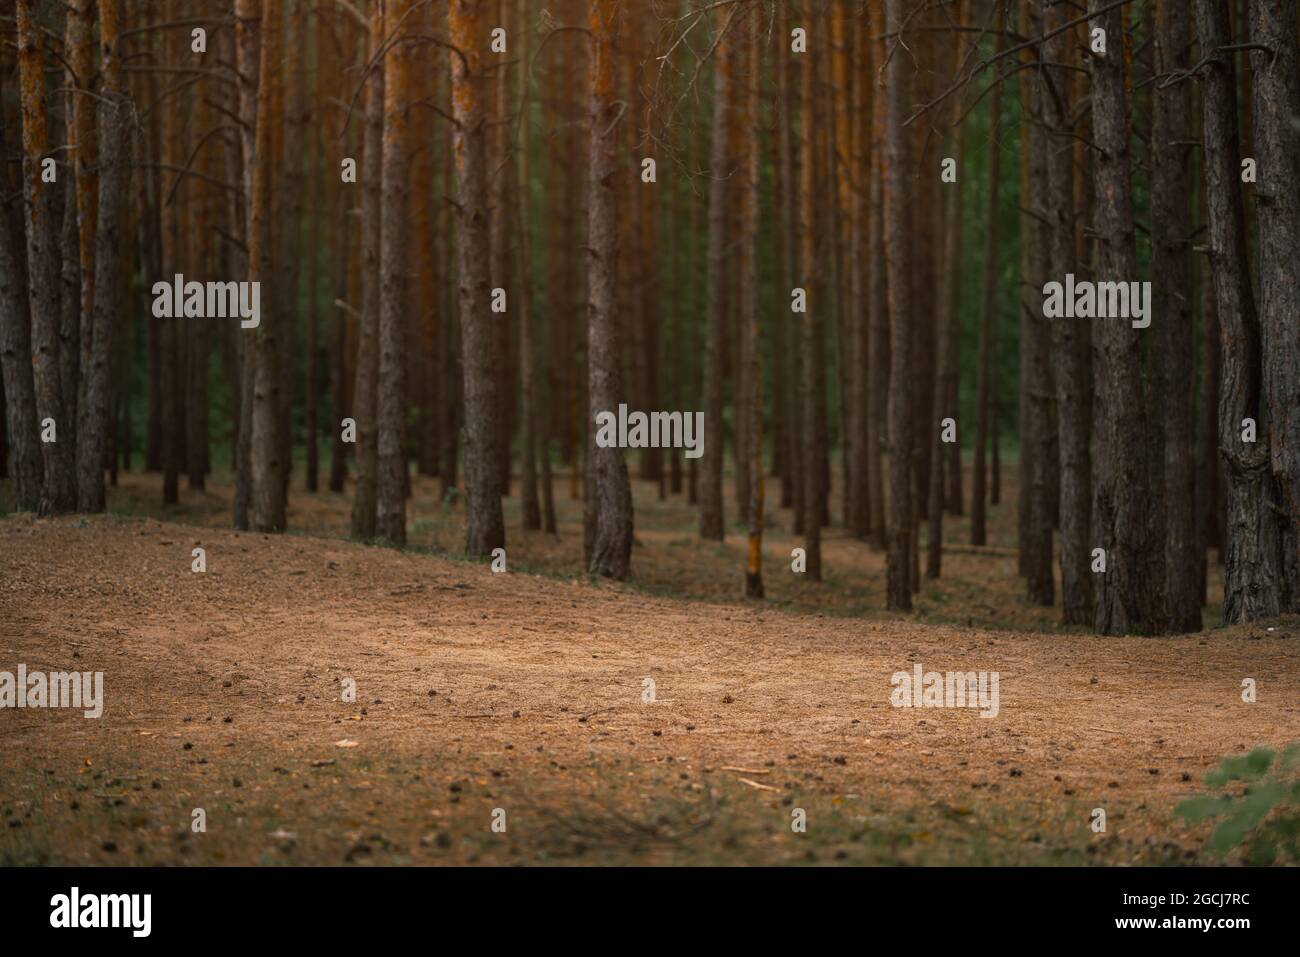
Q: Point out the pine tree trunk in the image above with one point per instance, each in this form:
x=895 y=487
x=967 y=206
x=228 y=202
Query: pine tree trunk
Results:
x=268 y=453
x=113 y=181
x=748 y=273
x=365 y=400
x=485 y=527
x=58 y=489
x=16 y=354
x=391 y=461
x=611 y=547
x=1252 y=580
x=712 y=524
x=1277 y=195
x=1126 y=591
x=878 y=317
x=988 y=317
x=948 y=321
x=809 y=381
x=246 y=61
x=897 y=201
x=533 y=421
x=1171 y=222
x=82 y=138
x=1071 y=347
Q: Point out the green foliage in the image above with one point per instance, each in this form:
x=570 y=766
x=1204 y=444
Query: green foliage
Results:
x=1265 y=816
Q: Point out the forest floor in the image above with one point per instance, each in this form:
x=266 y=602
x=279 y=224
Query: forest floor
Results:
x=480 y=695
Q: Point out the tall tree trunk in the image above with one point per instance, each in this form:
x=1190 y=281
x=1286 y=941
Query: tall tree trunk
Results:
x=58 y=490
x=878 y=317
x=171 y=149
x=1277 y=208
x=533 y=420
x=1126 y=592
x=790 y=395
x=365 y=391
x=611 y=551
x=82 y=139
x=712 y=524
x=1253 y=577
x=1171 y=222
x=16 y=353
x=898 y=588
x=485 y=526
x=390 y=484
x=810 y=463
x=948 y=321
x=246 y=62
x=988 y=315
x=748 y=273
x=113 y=180
x=268 y=452
x=1071 y=345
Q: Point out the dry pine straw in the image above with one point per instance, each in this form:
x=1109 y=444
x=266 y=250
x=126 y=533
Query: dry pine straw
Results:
x=449 y=657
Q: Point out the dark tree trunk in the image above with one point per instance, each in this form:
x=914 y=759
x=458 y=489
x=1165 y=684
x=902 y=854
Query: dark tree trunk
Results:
x=1072 y=348
x=1127 y=592
x=1253 y=577
x=268 y=452
x=948 y=326
x=114 y=178
x=611 y=545
x=988 y=319
x=712 y=525
x=898 y=173
x=485 y=526
x=808 y=380
x=1277 y=208
x=58 y=490
x=1171 y=222
x=390 y=484
x=365 y=398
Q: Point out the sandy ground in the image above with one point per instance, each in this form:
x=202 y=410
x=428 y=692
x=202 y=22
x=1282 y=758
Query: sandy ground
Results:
x=478 y=691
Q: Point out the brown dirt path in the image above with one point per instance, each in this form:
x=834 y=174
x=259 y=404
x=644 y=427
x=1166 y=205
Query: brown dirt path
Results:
x=478 y=685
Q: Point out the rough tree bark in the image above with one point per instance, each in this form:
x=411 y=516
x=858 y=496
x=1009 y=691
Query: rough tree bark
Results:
x=712 y=525
x=16 y=354
x=1277 y=209
x=611 y=551
x=1252 y=577
x=485 y=526
x=948 y=326
x=877 y=304
x=897 y=201
x=810 y=462
x=988 y=317
x=246 y=62
x=268 y=453
x=1126 y=598
x=533 y=425
x=752 y=351
x=1071 y=345
x=58 y=489
x=1171 y=223
x=390 y=485
x=115 y=111
x=365 y=390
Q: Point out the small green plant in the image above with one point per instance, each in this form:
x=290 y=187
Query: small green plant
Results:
x=1264 y=816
